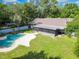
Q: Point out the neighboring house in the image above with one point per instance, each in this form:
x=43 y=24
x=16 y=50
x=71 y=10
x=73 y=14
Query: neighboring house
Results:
x=51 y=25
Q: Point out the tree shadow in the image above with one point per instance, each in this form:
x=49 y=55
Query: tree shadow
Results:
x=35 y=55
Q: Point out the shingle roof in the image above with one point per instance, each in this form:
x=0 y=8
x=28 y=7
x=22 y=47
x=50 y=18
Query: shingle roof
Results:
x=52 y=23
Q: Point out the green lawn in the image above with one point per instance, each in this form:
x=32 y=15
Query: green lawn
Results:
x=62 y=47
x=28 y=31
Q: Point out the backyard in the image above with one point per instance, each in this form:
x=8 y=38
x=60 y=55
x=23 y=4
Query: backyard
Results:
x=44 y=46
x=19 y=17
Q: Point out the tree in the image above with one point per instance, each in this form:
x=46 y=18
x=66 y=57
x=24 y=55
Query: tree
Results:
x=44 y=9
x=54 y=12
x=73 y=26
x=29 y=13
x=4 y=14
x=76 y=29
x=16 y=10
x=69 y=11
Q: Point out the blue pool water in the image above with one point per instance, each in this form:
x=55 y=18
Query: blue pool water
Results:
x=7 y=42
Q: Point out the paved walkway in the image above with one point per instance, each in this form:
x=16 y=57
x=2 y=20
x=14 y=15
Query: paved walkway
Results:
x=25 y=41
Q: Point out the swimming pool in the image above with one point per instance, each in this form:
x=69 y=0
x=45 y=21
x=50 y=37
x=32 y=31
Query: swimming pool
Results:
x=9 y=40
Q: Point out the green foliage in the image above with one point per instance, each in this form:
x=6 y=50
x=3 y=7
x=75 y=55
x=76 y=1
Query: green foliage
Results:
x=73 y=26
x=69 y=10
x=25 y=14
x=77 y=33
x=46 y=8
x=76 y=50
x=54 y=12
x=29 y=13
x=4 y=14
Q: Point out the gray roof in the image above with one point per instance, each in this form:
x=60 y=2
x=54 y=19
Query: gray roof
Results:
x=52 y=23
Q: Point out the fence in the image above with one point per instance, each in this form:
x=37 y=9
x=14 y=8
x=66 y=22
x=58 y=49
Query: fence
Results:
x=5 y=31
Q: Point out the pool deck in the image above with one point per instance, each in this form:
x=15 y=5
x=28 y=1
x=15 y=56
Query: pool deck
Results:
x=25 y=41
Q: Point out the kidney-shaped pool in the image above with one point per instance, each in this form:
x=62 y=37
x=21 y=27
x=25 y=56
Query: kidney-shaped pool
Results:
x=9 y=40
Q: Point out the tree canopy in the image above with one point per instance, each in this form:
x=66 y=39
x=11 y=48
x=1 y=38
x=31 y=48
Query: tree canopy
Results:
x=69 y=11
x=4 y=14
x=28 y=12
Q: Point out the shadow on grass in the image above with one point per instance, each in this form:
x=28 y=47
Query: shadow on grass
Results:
x=35 y=55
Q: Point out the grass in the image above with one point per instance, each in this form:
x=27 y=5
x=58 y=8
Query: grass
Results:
x=28 y=31
x=62 y=47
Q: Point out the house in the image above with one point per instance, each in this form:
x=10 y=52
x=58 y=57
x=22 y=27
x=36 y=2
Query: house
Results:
x=51 y=25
